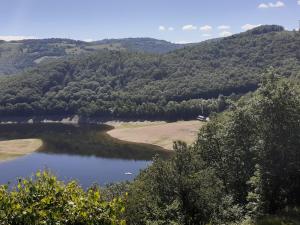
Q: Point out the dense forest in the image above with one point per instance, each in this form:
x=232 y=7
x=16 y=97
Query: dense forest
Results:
x=16 y=56
x=245 y=164
x=244 y=168
x=182 y=84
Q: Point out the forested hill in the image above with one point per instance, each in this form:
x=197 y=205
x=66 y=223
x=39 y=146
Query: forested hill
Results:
x=139 y=85
x=147 y=45
x=18 y=55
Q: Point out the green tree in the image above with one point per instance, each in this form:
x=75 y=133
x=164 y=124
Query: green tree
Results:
x=278 y=106
x=264 y=130
x=180 y=191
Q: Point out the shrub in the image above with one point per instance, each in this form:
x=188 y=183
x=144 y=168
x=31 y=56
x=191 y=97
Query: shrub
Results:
x=45 y=200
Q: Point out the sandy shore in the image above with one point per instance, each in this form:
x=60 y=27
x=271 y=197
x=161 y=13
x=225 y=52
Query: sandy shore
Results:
x=16 y=148
x=157 y=133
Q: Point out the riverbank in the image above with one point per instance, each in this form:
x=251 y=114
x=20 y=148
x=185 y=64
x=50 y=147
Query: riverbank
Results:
x=15 y=148
x=158 y=133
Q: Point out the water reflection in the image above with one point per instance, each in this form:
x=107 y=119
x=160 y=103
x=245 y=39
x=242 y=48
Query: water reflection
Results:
x=90 y=140
x=85 y=153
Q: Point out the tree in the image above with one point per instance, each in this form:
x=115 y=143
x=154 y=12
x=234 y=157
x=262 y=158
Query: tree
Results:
x=180 y=191
x=262 y=130
x=278 y=106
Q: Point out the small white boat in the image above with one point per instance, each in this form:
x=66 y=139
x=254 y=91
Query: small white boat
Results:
x=128 y=173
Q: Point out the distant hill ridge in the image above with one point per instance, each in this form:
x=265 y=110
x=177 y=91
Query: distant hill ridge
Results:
x=126 y=84
x=16 y=56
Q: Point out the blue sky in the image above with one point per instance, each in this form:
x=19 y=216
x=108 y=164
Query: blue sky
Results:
x=172 y=20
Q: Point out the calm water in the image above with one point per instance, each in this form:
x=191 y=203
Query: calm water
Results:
x=85 y=153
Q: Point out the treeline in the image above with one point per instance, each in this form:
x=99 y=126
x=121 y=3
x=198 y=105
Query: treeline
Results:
x=137 y=85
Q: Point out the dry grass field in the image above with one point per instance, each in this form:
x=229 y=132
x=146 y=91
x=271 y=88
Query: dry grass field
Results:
x=157 y=133
x=16 y=148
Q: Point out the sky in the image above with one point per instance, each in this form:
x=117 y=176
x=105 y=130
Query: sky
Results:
x=179 y=21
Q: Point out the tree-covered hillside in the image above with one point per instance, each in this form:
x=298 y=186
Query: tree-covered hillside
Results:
x=16 y=56
x=243 y=169
x=140 y=85
x=148 y=45
x=244 y=166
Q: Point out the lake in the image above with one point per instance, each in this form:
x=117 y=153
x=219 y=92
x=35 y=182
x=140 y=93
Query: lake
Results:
x=82 y=152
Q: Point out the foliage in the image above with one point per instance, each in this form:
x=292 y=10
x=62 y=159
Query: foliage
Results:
x=244 y=165
x=148 y=45
x=254 y=197
x=179 y=191
x=115 y=190
x=45 y=200
x=255 y=147
x=289 y=216
x=133 y=85
x=16 y=56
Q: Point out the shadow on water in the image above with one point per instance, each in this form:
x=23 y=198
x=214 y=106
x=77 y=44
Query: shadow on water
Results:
x=85 y=140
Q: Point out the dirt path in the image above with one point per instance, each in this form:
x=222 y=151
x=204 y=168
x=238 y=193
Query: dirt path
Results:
x=157 y=133
x=16 y=148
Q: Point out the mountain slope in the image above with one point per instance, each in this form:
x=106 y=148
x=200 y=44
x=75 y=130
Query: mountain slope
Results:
x=147 y=45
x=131 y=84
x=16 y=56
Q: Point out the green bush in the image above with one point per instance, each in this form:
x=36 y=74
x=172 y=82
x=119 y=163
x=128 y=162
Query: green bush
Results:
x=45 y=200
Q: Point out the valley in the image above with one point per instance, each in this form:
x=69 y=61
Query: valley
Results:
x=105 y=132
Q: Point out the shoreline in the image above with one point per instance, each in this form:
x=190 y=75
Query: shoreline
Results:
x=159 y=133
x=12 y=149
x=65 y=119
x=76 y=119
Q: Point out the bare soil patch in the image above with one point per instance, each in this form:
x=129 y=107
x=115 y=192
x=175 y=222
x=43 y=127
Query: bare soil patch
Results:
x=15 y=148
x=158 y=133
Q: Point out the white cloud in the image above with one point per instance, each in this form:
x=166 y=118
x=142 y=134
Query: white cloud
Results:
x=161 y=28
x=225 y=33
x=15 y=38
x=250 y=26
x=225 y=27
x=298 y=2
x=278 y=4
x=263 y=6
x=206 y=28
x=206 y=35
x=88 y=40
x=189 y=27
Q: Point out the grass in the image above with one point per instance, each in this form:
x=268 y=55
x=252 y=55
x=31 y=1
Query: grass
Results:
x=158 y=133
